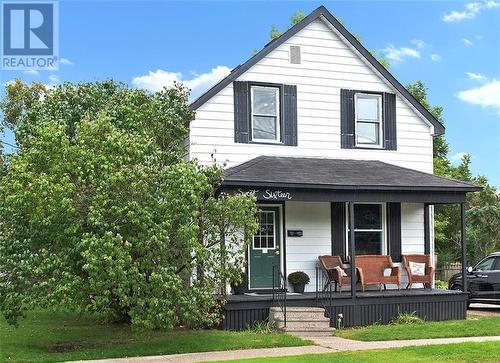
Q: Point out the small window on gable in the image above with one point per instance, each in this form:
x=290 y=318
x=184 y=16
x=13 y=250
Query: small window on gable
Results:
x=265 y=114
x=368 y=118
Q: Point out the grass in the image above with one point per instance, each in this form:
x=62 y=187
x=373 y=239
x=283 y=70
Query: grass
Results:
x=53 y=337
x=473 y=326
x=465 y=352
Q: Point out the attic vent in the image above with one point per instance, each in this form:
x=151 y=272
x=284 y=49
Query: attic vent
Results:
x=294 y=54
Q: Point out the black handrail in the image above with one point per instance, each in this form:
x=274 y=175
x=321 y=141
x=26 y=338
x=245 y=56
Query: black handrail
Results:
x=280 y=291
x=324 y=293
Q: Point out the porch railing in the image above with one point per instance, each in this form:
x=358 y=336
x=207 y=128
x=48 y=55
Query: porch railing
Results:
x=279 y=291
x=324 y=292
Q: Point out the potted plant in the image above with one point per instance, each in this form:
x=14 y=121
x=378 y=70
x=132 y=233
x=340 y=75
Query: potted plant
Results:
x=298 y=279
x=240 y=287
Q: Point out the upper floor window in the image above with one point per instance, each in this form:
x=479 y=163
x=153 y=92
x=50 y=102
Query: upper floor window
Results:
x=368 y=118
x=265 y=114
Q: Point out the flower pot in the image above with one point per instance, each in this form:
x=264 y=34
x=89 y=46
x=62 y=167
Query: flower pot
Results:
x=299 y=288
x=238 y=289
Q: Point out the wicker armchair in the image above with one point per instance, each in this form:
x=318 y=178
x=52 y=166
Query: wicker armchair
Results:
x=331 y=265
x=423 y=279
x=371 y=271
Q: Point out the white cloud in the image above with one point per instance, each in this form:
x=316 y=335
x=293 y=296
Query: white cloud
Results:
x=65 y=61
x=31 y=71
x=476 y=76
x=457 y=158
x=487 y=95
x=396 y=55
x=419 y=43
x=54 y=78
x=435 y=57
x=466 y=41
x=155 y=81
x=470 y=11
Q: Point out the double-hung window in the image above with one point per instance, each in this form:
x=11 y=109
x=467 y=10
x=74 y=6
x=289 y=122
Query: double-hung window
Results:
x=368 y=118
x=369 y=234
x=265 y=114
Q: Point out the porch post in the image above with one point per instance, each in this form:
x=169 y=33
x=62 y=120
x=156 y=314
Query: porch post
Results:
x=464 y=248
x=351 y=247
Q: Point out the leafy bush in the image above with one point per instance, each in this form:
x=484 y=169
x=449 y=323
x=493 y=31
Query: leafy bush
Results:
x=298 y=277
x=264 y=327
x=406 y=318
x=440 y=284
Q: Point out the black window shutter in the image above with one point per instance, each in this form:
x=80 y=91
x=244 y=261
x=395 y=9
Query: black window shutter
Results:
x=394 y=230
x=241 y=112
x=289 y=115
x=338 y=229
x=390 y=142
x=346 y=119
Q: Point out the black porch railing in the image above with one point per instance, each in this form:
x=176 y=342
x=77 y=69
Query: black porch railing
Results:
x=279 y=291
x=324 y=293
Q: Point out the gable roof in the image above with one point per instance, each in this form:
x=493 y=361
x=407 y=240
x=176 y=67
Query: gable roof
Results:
x=338 y=174
x=320 y=11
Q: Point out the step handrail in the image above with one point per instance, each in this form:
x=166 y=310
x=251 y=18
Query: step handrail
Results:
x=324 y=297
x=280 y=292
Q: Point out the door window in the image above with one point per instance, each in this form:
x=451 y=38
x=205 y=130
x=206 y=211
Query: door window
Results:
x=265 y=237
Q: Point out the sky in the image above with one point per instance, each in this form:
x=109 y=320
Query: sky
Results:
x=453 y=47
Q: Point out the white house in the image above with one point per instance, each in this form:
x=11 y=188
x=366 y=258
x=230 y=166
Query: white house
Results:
x=322 y=132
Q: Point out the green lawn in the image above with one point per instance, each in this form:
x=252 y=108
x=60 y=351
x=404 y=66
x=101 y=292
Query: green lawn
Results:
x=475 y=326
x=465 y=352
x=52 y=337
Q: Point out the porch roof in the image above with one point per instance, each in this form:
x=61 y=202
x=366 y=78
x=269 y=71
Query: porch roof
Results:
x=361 y=177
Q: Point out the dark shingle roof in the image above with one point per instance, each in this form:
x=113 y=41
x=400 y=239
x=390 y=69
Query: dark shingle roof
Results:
x=337 y=174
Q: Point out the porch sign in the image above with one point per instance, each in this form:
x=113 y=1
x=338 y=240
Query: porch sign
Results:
x=269 y=194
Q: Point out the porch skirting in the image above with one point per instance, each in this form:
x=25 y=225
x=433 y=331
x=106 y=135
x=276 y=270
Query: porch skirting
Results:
x=243 y=311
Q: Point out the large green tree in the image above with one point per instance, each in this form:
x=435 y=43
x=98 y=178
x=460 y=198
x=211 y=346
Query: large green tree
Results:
x=483 y=207
x=99 y=212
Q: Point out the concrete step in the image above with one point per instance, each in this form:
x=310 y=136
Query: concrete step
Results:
x=300 y=315
x=313 y=329
x=297 y=309
x=311 y=334
x=320 y=325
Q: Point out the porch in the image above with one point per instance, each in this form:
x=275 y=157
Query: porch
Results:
x=347 y=208
x=242 y=311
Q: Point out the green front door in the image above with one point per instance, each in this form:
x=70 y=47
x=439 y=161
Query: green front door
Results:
x=265 y=250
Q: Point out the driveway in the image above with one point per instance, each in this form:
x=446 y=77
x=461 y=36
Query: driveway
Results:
x=484 y=310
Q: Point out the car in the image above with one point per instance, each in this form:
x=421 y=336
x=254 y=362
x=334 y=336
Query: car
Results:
x=483 y=280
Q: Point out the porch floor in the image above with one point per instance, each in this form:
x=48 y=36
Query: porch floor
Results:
x=345 y=294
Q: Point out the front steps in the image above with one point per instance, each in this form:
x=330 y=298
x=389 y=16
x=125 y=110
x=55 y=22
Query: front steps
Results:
x=303 y=321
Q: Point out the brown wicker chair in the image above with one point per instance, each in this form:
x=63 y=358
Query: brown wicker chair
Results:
x=371 y=270
x=429 y=270
x=329 y=264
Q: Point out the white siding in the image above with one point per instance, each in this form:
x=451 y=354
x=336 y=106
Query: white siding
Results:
x=412 y=228
x=302 y=252
x=328 y=65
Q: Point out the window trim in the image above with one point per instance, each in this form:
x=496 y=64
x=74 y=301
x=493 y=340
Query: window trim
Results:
x=279 y=107
x=385 y=248
x=274 y=233
x=380 y=99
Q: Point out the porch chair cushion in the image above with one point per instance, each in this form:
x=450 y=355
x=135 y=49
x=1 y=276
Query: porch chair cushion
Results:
x=371 y=270
x=417 y=268
x=429 y=270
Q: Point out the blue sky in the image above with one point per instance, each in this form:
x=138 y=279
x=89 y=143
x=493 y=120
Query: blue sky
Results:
x=454 y=47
